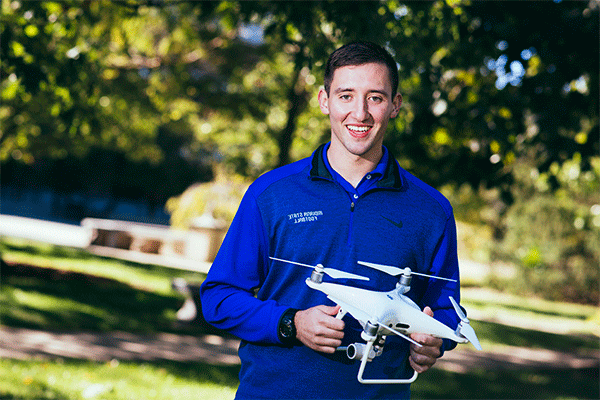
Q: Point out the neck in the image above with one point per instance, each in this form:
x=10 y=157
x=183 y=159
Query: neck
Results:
x=352 y=167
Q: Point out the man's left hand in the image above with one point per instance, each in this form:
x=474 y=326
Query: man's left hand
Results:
x=423 y=358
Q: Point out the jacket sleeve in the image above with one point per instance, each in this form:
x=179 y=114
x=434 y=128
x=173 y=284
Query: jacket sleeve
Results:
x=227 y=294
x=445 y=264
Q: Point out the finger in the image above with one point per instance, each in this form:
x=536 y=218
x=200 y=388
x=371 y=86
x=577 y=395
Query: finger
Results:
x=329 y=310
x=427 y=310
x=327 y=342
x=325 y=349
x=420 y=365
x=323 y=331
x=335 y=325
x=422 y=362
x=427 y=340
x=330 y=321
x=426 y=351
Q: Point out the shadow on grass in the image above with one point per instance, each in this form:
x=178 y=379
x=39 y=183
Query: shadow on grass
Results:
x=507 y=384
x=514 y=336
x=50 y=299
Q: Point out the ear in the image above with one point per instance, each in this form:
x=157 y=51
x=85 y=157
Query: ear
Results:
x=323 y=101
x=396 y=103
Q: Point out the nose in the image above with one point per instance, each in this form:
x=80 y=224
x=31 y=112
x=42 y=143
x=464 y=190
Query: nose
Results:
x=361 y=110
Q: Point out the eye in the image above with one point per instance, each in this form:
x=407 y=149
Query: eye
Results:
x=345 y=97
x=376 y=99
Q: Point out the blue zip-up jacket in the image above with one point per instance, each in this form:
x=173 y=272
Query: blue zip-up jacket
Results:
x=299 y=213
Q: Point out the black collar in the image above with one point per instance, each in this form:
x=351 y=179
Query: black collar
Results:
x=391 y=179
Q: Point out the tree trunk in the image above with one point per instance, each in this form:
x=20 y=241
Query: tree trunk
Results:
x=297 y=100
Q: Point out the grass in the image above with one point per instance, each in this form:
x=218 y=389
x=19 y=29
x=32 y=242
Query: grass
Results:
x=75 y=379
x=149 y=277
x=507 y=384
x=66 y=289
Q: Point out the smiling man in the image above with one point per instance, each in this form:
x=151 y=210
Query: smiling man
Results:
x=360 y=101
x=349 y=201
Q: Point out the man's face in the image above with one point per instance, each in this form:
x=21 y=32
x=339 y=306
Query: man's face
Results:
x=359 y=105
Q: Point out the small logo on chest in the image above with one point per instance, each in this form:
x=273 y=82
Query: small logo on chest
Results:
x=305 y=216
x=397 y=224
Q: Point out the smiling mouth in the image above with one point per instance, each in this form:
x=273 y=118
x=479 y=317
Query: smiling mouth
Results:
x=358 y=131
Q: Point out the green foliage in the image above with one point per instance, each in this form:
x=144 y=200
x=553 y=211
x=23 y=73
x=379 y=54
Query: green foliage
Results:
x=109 y=74
x=468 y=116
x=57 y=89
x=219 y=200
x=556 y=243
x=552 y=236
x=492 y=90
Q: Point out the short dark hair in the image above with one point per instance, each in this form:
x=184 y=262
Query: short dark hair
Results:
x=359 y=53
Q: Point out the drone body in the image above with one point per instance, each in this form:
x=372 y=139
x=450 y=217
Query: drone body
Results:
x=389 y=309
x=384 y=313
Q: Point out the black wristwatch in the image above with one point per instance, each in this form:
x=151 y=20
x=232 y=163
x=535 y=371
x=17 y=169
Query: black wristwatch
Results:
x=287 y=329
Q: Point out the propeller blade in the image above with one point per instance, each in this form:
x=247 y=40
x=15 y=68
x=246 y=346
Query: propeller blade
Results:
x=465 y=328
x=433 y=276
x=388 y=269
x=337 y=274
x=394 y=271
x=402 y=335
x=467 y=331
x=292 y=262
x=334 y=273
x=458 y=310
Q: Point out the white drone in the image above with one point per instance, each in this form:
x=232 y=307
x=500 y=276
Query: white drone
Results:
x=382 y=313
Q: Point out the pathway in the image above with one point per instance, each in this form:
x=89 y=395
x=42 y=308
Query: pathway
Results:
x=33 y=344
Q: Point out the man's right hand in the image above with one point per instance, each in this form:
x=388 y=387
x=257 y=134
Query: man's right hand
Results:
x=318 y=328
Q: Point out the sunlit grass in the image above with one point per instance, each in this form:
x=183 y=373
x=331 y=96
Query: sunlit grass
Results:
x=72 y=379
x=532 y=313
x=490 y=298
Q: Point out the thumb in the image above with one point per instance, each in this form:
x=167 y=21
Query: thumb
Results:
x=427 y=310
x=330 y=310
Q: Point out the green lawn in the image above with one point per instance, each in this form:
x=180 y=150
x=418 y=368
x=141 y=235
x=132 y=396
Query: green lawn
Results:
x=75 y=379
x=65 y=289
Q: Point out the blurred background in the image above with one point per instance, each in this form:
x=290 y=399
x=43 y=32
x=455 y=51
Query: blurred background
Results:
x=131 y=129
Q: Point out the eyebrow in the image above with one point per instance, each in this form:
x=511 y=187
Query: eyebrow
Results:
x=343 y=89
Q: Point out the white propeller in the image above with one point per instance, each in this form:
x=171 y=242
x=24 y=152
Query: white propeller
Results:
x=334 y=273
x=394 y=271
x=465 y=328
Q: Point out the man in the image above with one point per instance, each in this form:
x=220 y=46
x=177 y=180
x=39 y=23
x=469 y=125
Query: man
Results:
x=349 y=201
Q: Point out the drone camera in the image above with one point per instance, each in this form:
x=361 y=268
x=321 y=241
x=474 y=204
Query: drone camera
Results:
x=356 y=351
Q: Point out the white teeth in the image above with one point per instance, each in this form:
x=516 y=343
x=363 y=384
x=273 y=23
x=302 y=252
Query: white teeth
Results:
x=359 y=128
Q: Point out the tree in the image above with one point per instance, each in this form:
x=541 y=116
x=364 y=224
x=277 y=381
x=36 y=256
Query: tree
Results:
x=101 y=84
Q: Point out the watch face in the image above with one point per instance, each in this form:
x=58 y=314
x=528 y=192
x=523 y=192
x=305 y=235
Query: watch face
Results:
x=287 y=329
